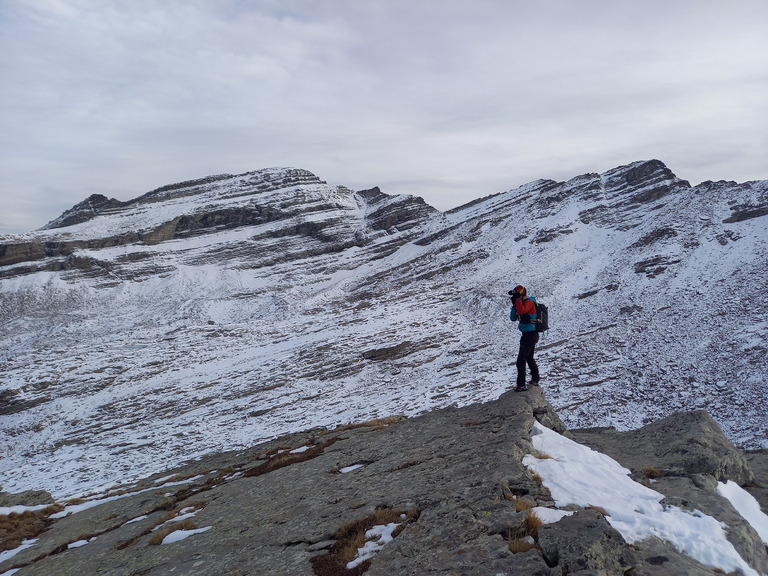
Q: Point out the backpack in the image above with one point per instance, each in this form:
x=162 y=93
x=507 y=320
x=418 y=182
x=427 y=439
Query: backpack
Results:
x=542 y=317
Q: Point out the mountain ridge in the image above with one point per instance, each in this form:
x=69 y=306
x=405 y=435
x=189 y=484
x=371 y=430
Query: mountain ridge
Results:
x=262 y=312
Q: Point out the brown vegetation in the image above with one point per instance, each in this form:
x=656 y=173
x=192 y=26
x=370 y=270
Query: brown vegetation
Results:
x=517 y=545
x=525 y=537
x=181 y=495
x=522 y=505
x=182 y=525
x=287 y=458
x=160 y=535
x=376 y=424
x=652 y=473
x=17 y=527
x=351 y=536
x=599 y=510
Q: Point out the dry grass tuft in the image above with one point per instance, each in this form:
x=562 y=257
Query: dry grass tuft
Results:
x=376 y=424
x=652 y=473
x=517 y=545
x=127 y=543
x=287 y=458
x=160 y=535
x=351 y=536
x=178 y=478
x=198 y=505
x=522 y=505
x=525 y=537
x=184 y=494
x=598 y=509
x=532 y=524
x=15 y=527
x=277 y=449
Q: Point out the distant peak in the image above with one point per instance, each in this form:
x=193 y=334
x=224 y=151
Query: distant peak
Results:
x=85 y=210
x=284 y=176
x=641 y=171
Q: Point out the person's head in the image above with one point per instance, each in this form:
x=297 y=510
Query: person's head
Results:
x=518 y=292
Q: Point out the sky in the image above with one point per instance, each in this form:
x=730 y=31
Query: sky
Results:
x=450 y=100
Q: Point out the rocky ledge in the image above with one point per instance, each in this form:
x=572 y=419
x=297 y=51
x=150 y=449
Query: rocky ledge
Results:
x=448 y=489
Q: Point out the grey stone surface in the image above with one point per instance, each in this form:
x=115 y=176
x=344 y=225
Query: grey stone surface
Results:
x=28 y=498
x=692 y=495
x=453 y=465
x=682 y=444
x=661 y=559
x=758 y=461
x=585 y=541
x=460 y=469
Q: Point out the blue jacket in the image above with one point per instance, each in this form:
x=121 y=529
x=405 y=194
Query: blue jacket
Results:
x=513 y=315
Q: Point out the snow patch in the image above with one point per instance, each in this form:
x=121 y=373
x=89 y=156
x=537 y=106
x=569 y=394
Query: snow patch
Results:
x=747 y=506
x=377 y=536
x=576 y=474
x=179 y=535
x=8 y=554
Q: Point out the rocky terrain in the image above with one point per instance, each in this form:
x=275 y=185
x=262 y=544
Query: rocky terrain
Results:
x=217 y=313
x=453 y=479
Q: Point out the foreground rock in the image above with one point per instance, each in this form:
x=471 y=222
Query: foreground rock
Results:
x=685 y=455
x=453 y=477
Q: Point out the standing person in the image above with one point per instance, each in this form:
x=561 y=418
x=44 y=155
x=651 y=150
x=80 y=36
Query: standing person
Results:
x=524 y=312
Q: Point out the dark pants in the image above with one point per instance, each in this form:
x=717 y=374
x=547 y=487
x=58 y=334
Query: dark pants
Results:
x=525 y=356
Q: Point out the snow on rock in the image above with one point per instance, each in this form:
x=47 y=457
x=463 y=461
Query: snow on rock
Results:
x=8 y=554
x=377 y=537
x=178 y=535
x=576 y=474
x=746 y=505
x=549 y=515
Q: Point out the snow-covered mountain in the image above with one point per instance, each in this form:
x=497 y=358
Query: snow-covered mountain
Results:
x=219 y=312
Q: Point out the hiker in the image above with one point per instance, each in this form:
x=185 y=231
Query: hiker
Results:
x=524 y=312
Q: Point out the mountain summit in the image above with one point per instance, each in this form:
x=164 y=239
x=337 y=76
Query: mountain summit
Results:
x=217 y=313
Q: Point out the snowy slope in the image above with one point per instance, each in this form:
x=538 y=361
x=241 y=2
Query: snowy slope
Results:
x=217 y=313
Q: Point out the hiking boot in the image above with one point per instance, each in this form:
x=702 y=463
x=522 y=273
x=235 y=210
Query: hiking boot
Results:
x=521 y=388
x=533 y=383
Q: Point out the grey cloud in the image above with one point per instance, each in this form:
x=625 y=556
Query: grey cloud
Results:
x=449 y=100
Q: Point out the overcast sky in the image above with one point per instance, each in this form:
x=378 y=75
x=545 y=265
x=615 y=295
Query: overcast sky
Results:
x=450 y=100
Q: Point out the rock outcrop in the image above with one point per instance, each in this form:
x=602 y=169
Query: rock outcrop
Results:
x=453 y=478
x=683 y=444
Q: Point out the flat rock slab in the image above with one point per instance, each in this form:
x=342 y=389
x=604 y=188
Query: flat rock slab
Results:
x=456 y=467
x=453 y=478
